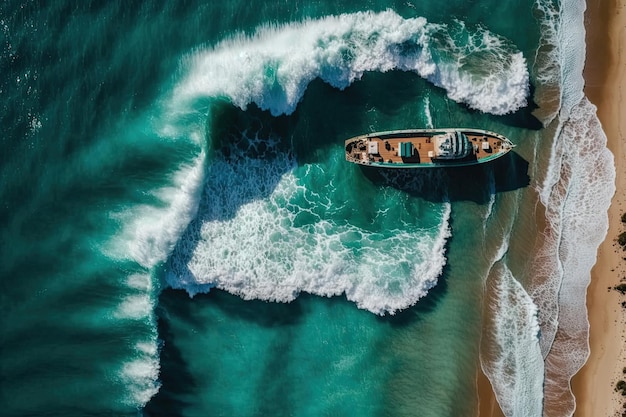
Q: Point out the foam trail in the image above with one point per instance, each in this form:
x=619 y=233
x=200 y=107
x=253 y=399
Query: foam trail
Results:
x=149 y=239
x=141 y=374
x=273 y=67
x=548 y=65
x=429 y=116
x=492 y=201
x=510 y=354
x=149 y=234
x=576 y=210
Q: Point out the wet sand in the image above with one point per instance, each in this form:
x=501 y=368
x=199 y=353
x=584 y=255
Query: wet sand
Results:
x=605 y=78
x=487 y=404
x=605 y=71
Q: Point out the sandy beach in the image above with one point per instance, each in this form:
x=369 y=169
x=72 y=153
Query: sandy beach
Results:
x=605 y=72
x=605 y=75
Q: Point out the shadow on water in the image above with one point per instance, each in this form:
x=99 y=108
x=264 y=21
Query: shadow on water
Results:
x=205 y=314
x=177 y=383
x=236 y=137
x=178 y=313
x=245 y=145
x=261 y=313
x=327 y=116
x=324 y=119
x=473 y=183
x=423 y=307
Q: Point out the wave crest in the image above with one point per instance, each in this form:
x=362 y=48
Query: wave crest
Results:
x=274 y=66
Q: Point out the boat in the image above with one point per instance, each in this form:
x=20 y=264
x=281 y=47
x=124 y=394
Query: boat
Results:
x=427 y=148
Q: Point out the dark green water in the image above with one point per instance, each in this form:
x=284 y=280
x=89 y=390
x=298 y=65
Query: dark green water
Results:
x=155 y=150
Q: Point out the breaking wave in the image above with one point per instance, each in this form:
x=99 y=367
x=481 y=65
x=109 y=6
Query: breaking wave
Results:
x=273 y=67
x=289 y=246
x=293 y=238
x=510 y=353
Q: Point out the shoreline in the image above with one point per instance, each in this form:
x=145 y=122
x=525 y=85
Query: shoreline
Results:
x=487 y=404
x=604 y=73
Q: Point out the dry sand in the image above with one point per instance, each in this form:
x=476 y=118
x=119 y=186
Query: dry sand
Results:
x=605 y=71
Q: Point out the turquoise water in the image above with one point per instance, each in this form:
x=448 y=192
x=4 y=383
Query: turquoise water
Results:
x=181 y=235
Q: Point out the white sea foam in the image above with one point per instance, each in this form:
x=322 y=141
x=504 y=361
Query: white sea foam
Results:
x=575 y=189
x=149 y=236
x=274 y=67
x=547 y=65
x=282 y=258
x=576 y=192
x=510 y=351
x=576 y=211
x=256 y=248
x=571 y=32
x=139 y=303
x=151 y=232
x=141 y=374
x=135 y=307
x=429 y=116
x=515 y=365
x=141 y=282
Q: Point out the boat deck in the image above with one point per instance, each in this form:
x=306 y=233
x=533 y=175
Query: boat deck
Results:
x=483 y=147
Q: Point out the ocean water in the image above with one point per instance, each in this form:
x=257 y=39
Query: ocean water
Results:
x=181 y=235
